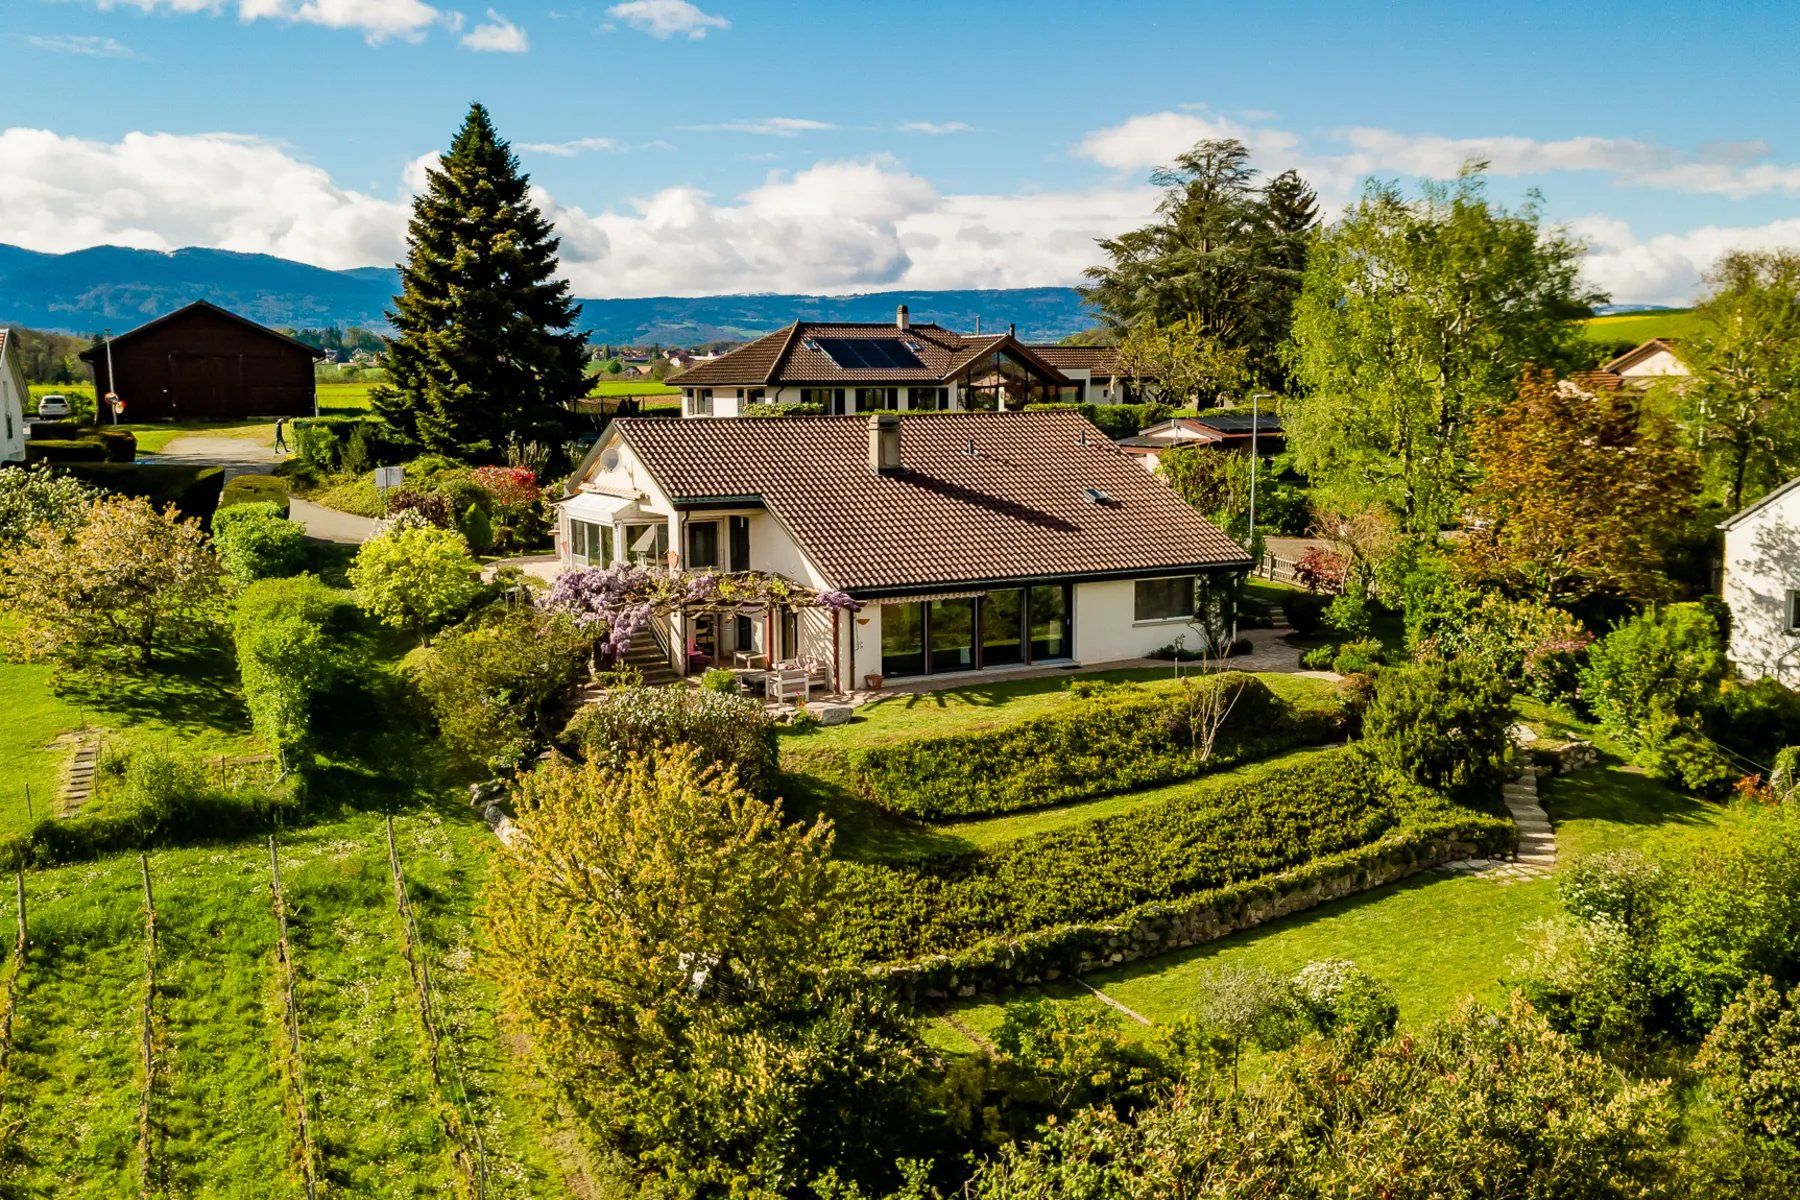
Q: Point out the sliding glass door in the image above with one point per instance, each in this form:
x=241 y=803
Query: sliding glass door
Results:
x=1003 y=628
x=950 y=631
x=1007 y=628
x=1052 y=622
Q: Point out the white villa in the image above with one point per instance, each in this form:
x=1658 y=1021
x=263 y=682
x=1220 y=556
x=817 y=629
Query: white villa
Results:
x=13 y=394
x=1638 y=368
x=972 y=541
x=1762 y=586
x=842 y=368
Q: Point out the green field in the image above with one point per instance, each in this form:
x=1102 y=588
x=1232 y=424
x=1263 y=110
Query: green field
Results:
x=1640 y=326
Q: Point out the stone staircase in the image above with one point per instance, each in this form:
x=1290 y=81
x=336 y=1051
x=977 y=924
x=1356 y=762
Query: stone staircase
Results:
x=646 y=654
x=1536 y=855
x=78 y=787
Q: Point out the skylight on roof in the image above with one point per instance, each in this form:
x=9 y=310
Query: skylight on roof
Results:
x=870 y=353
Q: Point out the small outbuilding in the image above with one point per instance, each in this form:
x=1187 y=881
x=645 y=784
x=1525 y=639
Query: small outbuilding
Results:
x=202 y=363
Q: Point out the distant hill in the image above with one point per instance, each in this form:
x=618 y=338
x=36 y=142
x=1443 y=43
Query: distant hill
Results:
x=108 y=286
x=1640 y=326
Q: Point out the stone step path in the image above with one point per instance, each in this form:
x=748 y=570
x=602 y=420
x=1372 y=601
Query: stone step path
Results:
x=1536 y=855
x=78 y=786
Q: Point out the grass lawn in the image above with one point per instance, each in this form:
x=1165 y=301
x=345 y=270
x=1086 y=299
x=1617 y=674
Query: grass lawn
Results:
x=1640 y=326
x=153 y=436
x=343 y=398
x=1434 y=938
x=192 y=699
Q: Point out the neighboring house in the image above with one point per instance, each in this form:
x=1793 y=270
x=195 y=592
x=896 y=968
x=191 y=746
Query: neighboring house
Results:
x=974 y=541
x=1762 y=586
x=1095 y=367
x=13 y=397
x=1637 y=368
x=1226 y=432
x=846 y=368
x=202 y=363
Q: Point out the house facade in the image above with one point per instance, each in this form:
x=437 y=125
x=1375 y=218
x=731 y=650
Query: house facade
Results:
x=844 y=368
x=972 y=542
x=13 y=397
x=202 y=363
x=1234 y=431
x=1638 y=368
x=1762 y=586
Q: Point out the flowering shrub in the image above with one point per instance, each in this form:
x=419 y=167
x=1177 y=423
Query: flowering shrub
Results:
x=733 y=731
x=508 y=487
x=622 y=599
x=434 y=507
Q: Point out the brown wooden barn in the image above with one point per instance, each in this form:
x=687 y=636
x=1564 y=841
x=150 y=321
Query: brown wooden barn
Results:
x=202 y=363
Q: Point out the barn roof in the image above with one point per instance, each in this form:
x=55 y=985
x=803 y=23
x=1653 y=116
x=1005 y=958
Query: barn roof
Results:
x=93 y=352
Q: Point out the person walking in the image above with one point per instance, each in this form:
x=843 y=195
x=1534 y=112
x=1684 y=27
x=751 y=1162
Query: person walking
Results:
x=281 y=446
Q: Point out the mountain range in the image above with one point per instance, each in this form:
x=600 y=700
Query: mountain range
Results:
x=112 y=287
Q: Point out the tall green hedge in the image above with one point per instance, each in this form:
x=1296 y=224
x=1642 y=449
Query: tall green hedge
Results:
x=1115 y=740
x=1207 y=834
x=256 y=489
x=353 y=444
x=193 y=489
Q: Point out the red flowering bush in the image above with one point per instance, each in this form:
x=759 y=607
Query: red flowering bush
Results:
x=508 y=487
x=1321 y=570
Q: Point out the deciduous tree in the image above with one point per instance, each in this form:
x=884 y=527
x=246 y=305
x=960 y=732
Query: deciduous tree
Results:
x=1581 y=494
x=414 y=578
x=485 y=347
x=1744 y=399
x=1183 y=362
x=119 y=580
x=1414 y=317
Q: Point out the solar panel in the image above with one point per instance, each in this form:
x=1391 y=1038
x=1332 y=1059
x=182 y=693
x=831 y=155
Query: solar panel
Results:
x=869 y=353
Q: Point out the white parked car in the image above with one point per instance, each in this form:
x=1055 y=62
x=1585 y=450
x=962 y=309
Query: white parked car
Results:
x=54 y=406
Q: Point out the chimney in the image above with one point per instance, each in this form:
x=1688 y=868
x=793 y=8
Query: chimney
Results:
x=884 y=443
x=901 y=320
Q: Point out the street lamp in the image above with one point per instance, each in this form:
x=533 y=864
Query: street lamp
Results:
x=1255 y=421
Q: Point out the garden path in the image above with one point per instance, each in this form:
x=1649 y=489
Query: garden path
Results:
x=238 y=455
x=1536 y=856
x=328 y=524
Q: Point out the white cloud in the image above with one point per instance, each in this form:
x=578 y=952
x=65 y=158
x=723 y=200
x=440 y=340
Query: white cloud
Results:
x=376 y=20
x=83 y=44
x=578 y=146
x=765 y=126
x=936 y=128
x=1667 y=268
x=160 y=191
x=667 y=18
x=1152 y=139
x=498 y=36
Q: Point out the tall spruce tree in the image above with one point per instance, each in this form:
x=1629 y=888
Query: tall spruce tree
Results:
x=486 y=348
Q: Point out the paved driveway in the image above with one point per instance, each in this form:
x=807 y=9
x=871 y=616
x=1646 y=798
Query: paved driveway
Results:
x=328 y=524
x=238 y=455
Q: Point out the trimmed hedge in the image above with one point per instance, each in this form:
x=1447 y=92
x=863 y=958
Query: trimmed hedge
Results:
x=732 y=731
x=1208 y=835
x=65 y=450
x=783 y=408
x=192 y=489
x=1113 y=740
x=256 y=489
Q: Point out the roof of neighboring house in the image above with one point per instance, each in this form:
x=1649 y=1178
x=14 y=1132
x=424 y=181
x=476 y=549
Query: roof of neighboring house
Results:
x=1638 y=354
x=1016 y=509
x=1738 y=517
x=93 y=352
x=1596 y=380
x=1100 y=362
x=801 y=354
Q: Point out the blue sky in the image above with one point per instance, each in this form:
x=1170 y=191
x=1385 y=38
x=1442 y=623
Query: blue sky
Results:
x=736 y=145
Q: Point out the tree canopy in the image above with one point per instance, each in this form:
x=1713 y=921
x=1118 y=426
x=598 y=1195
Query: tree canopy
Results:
x=485 y=349
x=1417 y=315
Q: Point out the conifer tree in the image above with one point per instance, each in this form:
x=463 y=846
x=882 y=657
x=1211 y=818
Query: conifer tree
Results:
x=486 y=347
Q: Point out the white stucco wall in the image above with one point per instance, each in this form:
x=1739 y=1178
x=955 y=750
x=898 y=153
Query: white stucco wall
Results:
x=1762 y=564
x=13 y=394
x=1656 y=366
x=1104 y=628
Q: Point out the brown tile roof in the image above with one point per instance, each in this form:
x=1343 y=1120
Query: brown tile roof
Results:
x=1101 y=362
x=1016 y=509
x=785 y=358
x=1594 y=381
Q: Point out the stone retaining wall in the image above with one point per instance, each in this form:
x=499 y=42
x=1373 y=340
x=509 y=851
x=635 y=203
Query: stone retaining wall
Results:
x=1003 y=964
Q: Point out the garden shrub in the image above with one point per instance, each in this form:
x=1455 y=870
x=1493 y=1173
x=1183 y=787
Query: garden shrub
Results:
x=732 y=731
x=1204 y=835
x=1538 y=648
x=1668 y=660
x=415 y=578
x=1752 y=1064
x=1305 y=612
x=1336 y=996
x=1446 y=726
x=1348 y=617
x=496 y=683
x=782 y=408
x=476 y=529
x=37 y=496
x=325 y=443
x=721 y=681
x=254 y=541
x=256 y=489
x=1784 y=777
x=1318 y=658
x=192 y=489
x=62 y=450
x=433 y=506
x=1114 y=741
x=1752 y=717
x=290 y=635
x=1360 y=657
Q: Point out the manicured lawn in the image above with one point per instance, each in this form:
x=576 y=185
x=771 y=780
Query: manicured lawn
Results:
x=607 y=385
x=345 y=398
x=1434 y=938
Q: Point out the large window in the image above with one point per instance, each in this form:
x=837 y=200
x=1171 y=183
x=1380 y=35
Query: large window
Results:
x=1168 y=599
x=700 y=402
x=703 y=544
x=829 y=400
x=930 y=399
x=1003 y=628
x=877 y=399
x=902 y=639
x=950 y=625
x=1051 y=622
x=590 y=544
x=648 y=544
